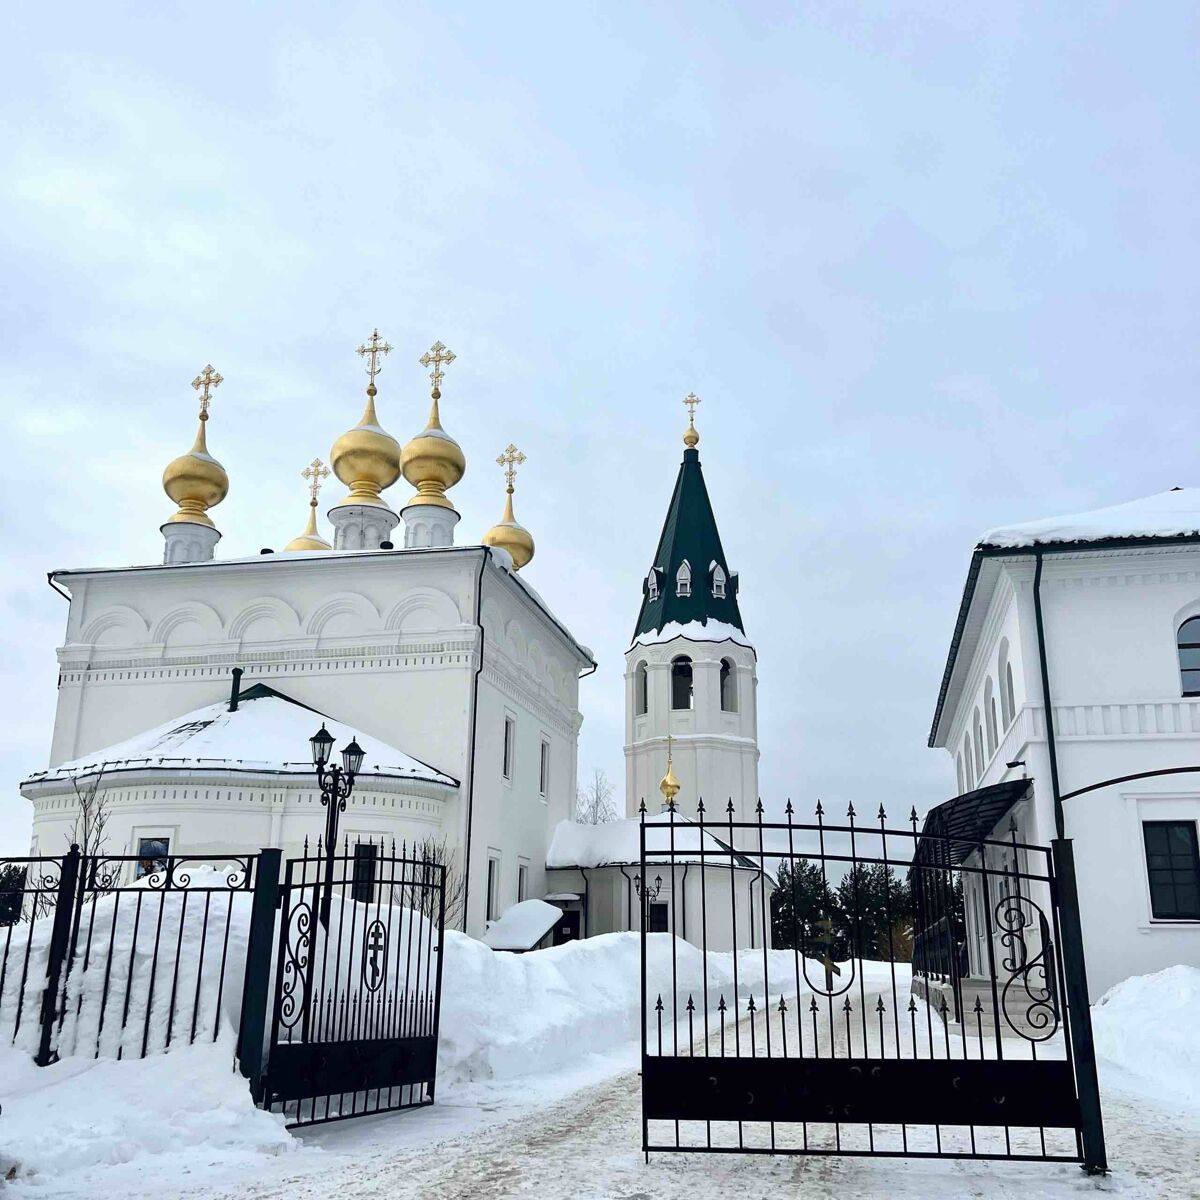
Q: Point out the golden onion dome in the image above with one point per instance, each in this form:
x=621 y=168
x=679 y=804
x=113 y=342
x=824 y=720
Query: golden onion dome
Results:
x=195 y=481
x=433 y=461
x=507 y=534
x=366 y=458
x=310 y=539
x=669 y=785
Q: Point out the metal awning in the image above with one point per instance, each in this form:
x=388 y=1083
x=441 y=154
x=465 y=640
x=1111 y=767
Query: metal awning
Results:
x=967 y=820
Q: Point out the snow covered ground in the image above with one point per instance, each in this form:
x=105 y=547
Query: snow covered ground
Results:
x=538 y=1095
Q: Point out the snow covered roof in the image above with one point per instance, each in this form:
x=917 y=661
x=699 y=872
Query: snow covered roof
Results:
x=618 y=843
x=269 y=732
x=522 y=926
x=1162 y=519
x=1167 y=514
x=697 y=631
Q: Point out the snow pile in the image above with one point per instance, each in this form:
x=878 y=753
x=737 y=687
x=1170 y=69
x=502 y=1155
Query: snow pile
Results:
x=522 y=925
x=517 y=1014
x=1166 y=514
x=619 y=843
x=1148 y=1027
x=169 y=1114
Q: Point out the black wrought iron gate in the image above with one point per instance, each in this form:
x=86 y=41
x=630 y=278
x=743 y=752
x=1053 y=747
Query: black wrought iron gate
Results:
x=356 y=995
x=893 y=993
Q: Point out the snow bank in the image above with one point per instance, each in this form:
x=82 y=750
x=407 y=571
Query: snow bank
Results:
x=518 y=1014
x=1149 y=1026
x=166 y=1115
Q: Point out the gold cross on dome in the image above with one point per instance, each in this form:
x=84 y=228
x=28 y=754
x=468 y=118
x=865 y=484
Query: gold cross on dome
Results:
x=690 y=401
x=316 y=472
x=510 y=460
x=435 y=356
x=204 y=383
x=371 y=349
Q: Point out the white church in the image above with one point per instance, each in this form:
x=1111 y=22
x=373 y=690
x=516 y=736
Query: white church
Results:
x=189 y=689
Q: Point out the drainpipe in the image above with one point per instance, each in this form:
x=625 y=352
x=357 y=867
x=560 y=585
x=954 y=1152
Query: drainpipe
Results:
x=1060 y=824
x=471 y=737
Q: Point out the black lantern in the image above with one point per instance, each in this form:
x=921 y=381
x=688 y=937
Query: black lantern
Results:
x=321 y=742
x=352 y=758
x=647 y=892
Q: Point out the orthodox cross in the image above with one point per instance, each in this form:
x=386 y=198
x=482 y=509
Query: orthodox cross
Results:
x=204 y=383
x=690 y=401
x=371 y=350
x=510 y=460
x=315 y=473
x=435 y=356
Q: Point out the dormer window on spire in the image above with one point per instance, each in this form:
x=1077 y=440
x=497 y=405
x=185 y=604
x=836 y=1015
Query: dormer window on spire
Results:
x=652 y=584
x=718 y=582
x=683 y=579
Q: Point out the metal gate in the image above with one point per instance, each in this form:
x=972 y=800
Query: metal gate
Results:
x=357 y=985
x=893 y=993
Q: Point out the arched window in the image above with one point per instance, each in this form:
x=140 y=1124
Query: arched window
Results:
x=683 y=579
x=728 y=686
x=1188 y=642
x=652 y=584
x=962 y=783
x=641 y=690
x=681 y=682
x=718 y=582
x=989 y=715
x=1007 y=708
x=1010 y=692
x=968 y=769
x=978 y=727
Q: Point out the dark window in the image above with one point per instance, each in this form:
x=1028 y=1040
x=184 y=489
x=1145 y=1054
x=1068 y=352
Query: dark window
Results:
x=681 y=682
x=493 y=887
x=153 y=856
x=728 y=686
x=363 y=886
x=510 y=730
x=544 y=770
x=656 y=918
x=641 y=690
x=522 y=883
x=1189 y=656
x=1173 y=868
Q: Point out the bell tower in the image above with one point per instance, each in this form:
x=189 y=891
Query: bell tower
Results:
x=690 y=669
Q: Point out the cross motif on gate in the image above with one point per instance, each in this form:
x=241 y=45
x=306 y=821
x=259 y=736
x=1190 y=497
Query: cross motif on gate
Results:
x=435 y=356
x=371 y=350
x=374 y=950
x=204 y=383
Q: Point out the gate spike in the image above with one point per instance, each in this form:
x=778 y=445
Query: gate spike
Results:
x=882 y=814
x=750 y=1004
x=879 y=1006
x=846 y=1005
x=690 y=1006
x=912 y=1004
x=642 y=809
x=812 y=1005
x=912 y=816
x=700 y=807
x=729 y=808
x=782 y=1004
x=978 y=1004
x=721 y=1004
x=758 y=808
x=820 y=811
x=788 y=810
x=659 y=1006
x=850 y=811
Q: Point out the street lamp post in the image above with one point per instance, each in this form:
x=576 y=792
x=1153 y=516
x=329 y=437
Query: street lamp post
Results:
x=336 y=784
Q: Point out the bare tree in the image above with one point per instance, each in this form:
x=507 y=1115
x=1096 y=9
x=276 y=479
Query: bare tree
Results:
x=594 y=802
x=91 y=816
x=421 y=897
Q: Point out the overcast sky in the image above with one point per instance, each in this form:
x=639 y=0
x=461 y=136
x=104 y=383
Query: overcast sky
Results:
x=931 y=269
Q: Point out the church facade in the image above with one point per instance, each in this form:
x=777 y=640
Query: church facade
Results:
x=460 y=683
x=1075 y=664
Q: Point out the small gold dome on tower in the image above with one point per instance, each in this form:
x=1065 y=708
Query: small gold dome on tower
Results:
x=367 y=458
x=310 y=539
x=669 y=785
x=433 y=461
x=195 y=481
x=507 y=534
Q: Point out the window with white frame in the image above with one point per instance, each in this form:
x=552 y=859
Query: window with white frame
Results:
x=153 y=855
x=493 y=887
x=652 y=584
x=1172 y=869
x=522 y=882
x=544 y=770
x=683 y=579
x=641 y=690
x=718 y=582
x=510 y=746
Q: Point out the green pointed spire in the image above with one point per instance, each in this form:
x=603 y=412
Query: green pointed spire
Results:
x=689 y=537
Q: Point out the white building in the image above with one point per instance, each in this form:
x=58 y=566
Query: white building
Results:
x=1101 y=613
x=460 y=683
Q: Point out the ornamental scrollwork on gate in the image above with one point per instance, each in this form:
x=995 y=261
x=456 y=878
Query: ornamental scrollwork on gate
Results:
x=297 y=944
x=1027 y=998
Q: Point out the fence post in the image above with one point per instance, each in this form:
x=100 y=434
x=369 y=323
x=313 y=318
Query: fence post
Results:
x=251 y=1051
x=1079 y=1014
x=60 y=939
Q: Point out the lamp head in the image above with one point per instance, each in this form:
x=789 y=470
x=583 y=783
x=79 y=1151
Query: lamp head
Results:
x=352 y=758
x=321 y=742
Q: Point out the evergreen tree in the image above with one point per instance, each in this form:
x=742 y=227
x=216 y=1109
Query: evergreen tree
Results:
x=801 y=900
